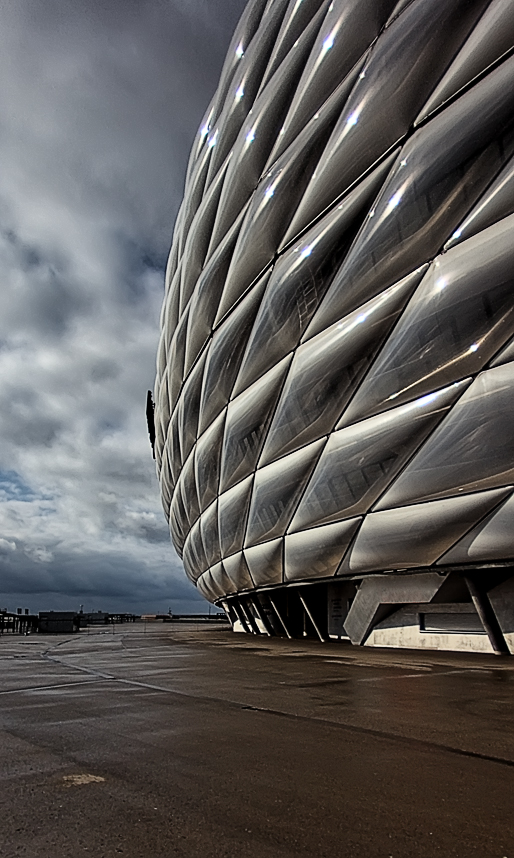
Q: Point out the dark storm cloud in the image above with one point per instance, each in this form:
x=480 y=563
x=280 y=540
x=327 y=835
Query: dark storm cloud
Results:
x=99 y=104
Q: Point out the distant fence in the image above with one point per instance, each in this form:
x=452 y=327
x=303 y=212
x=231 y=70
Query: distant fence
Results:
x=69 y=622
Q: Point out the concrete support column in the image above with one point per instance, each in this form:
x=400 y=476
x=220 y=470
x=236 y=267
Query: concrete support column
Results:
x=282 y=622
x=486 y=613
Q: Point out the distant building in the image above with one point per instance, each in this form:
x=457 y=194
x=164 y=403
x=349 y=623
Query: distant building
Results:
x=95 y=618
x=334 y=403
x=62 y=622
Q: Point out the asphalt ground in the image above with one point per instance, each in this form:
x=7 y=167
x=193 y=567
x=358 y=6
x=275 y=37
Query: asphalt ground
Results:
x=192 y=741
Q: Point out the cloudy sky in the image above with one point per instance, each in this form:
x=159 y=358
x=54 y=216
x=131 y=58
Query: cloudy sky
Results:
x=99 y=103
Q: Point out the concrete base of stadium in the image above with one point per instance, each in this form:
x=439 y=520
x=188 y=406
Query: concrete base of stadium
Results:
x=192 y=742
x=466 y=609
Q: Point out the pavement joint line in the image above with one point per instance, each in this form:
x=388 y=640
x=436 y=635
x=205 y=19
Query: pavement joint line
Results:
x=49 y=687
x=88 y=670
x=369 y=731
x=433 y=673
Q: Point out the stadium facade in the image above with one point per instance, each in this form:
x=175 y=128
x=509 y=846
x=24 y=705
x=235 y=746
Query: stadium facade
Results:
x=334 y=403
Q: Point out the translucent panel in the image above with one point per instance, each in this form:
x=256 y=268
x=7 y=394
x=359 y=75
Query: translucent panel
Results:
x=196 y=541
x=316 y=553
x=174 y=254
x=300 y=279
x=491 y=37
x=172 y=306
x=236 y=568
x=360 y=461
x=492 y=539
x=226 y=352
x=199 y=237
x=159 y=443
x=238 y=47
x=166 y=480
x=190 y=564
x=176 y=359
x=327 y=369
x=210 y=535
x=243 y=88
x=197 y=149
x=161 y=428
x=189 y=407
x=248 y=417
x=417 y=535
x=274 y=200
x=221 y=581
x=439 y=174
x=255 y=140
x=232 y=512
x=194 y=556
x=400 y=6
x=187 y=485
x=161 y=354
x=496 y=203
x=506 y=354
x=178 y=506
x=276 y=491
x=207 y=294
x=176 y=531
x=386 y=99
x=163 y=404
x=471 y=450
x=265 y=562
x=460 y=315
x=175 y=446
x=206 y=589
x=349 y=28
x=296 y=21
x=178 y=528
x=192 y=199
x=207 y=461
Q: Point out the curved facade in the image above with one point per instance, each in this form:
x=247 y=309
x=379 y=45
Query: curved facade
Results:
x=334 y=394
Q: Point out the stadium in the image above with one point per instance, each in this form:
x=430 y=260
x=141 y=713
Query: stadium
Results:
x=334 y=431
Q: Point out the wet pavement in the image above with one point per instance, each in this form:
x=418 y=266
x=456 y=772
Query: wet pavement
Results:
x=186 y=741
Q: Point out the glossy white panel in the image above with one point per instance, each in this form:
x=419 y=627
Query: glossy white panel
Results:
x=496 y=203
x=327 y=369
x=255 y=139
x=359 y=461
x=207 y=461
x=236 y=568
x=316 y=553
x=385 y=100
x=439 y=174
x=417 y=535
x=226 y=353
x=492 y=37
x=232 y=514
x=265 y=562
x=348 y=30
x=276 y=491
x=471 y=449
x=458 y=318
x=300 y=279
x=248 y=418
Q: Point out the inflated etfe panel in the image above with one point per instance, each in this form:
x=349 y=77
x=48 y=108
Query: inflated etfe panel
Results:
x=335 y=377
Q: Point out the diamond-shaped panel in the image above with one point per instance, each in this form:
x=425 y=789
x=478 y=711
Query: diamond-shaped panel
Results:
x=336 y=349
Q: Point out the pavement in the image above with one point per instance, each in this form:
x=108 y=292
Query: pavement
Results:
x=193 y=742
